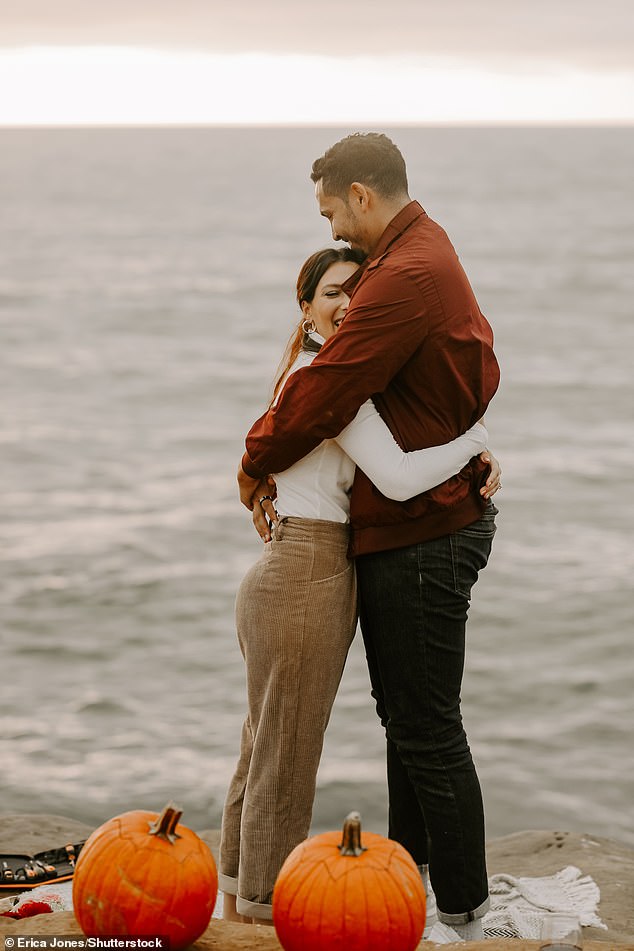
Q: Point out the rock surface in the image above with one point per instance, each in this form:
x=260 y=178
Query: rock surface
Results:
x=610 y=864
x=534 y=853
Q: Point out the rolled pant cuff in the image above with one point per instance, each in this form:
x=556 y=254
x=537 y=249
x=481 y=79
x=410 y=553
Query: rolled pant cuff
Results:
x=467 y=916
x=254 y=909
x=227 y=884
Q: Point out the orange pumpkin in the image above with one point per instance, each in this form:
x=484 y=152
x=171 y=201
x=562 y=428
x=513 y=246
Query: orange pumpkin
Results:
x=336 y=893
x=143 y=874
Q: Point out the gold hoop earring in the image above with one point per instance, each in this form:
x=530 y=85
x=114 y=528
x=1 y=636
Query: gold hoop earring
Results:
x=309 y=326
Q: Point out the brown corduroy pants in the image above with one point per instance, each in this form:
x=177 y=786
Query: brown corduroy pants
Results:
x=296 y=615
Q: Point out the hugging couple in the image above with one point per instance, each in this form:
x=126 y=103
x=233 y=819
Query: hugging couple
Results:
x=371 y=486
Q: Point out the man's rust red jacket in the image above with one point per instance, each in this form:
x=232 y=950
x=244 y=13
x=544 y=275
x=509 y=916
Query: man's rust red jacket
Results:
x=415 y=341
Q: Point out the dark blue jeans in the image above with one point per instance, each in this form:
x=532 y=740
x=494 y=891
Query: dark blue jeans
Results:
x=414 y=604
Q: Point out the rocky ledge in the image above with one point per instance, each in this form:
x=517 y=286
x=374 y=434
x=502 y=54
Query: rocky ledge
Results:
x=533 y=854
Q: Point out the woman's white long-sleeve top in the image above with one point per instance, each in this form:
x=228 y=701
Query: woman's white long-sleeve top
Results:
x=318 y=486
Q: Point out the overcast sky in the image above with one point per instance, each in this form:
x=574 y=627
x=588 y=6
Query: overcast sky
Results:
x=588 y=45
x=593 y=33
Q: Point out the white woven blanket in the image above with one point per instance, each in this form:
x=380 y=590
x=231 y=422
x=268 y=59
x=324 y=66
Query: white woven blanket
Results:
x=519 y=905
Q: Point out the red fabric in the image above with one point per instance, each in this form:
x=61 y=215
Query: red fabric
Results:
x=414 y=340
x=28 y=910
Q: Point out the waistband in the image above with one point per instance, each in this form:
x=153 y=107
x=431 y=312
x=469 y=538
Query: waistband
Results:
x=311 y=529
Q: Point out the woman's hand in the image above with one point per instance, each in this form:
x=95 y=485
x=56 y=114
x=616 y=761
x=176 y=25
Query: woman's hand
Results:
x=493 y=482
x=247 y=487
x=264 y=508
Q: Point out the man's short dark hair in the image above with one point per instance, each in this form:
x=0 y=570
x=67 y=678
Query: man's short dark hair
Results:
x=369 y=158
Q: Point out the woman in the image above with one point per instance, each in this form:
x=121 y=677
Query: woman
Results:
x=296 y=609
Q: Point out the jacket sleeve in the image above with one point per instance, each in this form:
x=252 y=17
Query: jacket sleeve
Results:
x=383 y=327
x=401 y=475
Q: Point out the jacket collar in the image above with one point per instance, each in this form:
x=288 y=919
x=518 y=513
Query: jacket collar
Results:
x=397 y=226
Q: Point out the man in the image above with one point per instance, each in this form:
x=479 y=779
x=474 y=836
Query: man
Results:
x=414 y=340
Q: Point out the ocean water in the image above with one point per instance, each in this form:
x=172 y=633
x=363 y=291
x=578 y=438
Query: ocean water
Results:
x=146 y=292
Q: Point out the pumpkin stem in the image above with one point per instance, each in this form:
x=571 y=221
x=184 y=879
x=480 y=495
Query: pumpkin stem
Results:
x=164 y=826
x=351 y=839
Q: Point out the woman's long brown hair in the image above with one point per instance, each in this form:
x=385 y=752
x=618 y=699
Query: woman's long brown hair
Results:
x=311 y=273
